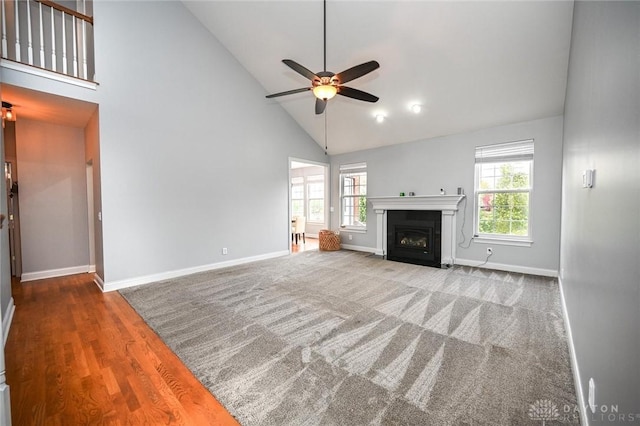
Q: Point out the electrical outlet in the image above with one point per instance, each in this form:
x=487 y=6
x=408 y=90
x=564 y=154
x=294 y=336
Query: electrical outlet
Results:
x=224 y=250
x=350 y=237
x=489 y=251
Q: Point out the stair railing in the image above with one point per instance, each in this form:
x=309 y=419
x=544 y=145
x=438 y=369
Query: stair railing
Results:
x=48 y=35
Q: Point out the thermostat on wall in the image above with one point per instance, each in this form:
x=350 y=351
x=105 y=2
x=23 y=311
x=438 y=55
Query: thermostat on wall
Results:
x=587 y=178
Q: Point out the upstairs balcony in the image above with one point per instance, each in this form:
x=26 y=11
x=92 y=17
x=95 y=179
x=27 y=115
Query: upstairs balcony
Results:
x=51 y=39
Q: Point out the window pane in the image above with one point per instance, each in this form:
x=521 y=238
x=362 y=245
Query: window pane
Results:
x=297 y=192
x=316 y=210
x=354 y=200
x=297 y=180
x=297 y=208
x=354 y=211
x=503 y=213
x=506 y=175
x=316 y=190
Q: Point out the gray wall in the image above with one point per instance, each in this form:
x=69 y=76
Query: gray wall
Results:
x=448 y=162
x=193 y=157
x=600 y=256
x=53 y=197
x=92 y=154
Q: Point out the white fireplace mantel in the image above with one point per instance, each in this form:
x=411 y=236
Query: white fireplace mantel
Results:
x=447 y=204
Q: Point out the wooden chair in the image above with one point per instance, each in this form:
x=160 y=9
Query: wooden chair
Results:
x=297 y=228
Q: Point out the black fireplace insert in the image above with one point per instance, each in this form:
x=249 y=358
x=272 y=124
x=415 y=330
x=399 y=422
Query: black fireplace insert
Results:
x=414 y=236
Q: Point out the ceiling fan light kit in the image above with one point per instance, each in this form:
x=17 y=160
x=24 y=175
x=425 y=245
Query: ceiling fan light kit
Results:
x=325 y=91
x=326 y=84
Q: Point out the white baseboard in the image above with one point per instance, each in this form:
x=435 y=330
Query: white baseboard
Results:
x=358 y=248
x=6 y=321
x=131 y=282
x=52 y=273
x=5 y=404
x=92 y=269
x=584 y=418
x=508 y=268
x=98 y=281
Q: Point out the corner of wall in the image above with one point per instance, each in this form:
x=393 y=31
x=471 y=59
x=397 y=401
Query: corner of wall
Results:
x=575 y=369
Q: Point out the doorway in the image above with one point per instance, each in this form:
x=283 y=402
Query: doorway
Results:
x=13 y=210
x=308 y=198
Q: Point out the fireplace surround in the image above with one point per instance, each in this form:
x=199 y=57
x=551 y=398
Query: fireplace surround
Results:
x=445 y=205
x=414 y=236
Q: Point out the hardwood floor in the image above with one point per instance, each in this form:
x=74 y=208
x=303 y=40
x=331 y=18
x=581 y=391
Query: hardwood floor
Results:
x=310 y=244
x=77 y=356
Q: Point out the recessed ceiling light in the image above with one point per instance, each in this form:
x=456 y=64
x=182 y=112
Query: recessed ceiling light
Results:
x=379 y=118
x=416 y=108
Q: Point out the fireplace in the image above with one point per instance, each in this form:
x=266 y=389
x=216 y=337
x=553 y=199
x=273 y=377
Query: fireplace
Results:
x=447 y=205
x=414 y=236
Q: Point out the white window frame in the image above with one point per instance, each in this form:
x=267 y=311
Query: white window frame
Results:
x=347 y=169
x=504 y=153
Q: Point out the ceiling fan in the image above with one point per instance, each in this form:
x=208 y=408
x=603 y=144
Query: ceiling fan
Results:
x=326 y=84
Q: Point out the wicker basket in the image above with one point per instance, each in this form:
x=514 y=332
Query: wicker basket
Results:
x=329 y=240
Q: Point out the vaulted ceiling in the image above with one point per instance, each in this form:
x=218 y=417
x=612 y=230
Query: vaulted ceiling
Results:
x=470 y=65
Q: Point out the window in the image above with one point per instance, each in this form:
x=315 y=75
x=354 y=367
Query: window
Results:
x=297 y=196
x=307 y=197
x=504 y=177
x=353 y=195
x=315 y=198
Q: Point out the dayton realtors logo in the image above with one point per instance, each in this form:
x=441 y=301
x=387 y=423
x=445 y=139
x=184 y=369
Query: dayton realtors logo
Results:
x=543 y=410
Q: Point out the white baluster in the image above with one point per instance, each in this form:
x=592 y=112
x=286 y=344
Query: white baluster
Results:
x=4 y=31
x=17 y=22
x=54 y=60
x=75 y=47
x=64 y=45
x=82 y=39
x=29 y=35
x=41 y=21
x=85 y=71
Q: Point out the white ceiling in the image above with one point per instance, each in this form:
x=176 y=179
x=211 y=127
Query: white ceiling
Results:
x=471 y=65
x=42 y=106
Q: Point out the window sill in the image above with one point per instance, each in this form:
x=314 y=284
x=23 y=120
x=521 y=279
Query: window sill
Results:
x=503 y=241
x=353 y=230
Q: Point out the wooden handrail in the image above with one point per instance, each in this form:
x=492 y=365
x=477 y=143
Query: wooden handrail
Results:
x=66 y=10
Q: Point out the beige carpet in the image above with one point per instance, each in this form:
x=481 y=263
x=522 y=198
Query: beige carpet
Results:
x=346 y=338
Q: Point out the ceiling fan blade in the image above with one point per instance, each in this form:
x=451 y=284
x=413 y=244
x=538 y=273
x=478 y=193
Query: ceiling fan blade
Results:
x=300 y=69
x=357 y=94
x=288 y=92
x=357 y=71
x=321 y=104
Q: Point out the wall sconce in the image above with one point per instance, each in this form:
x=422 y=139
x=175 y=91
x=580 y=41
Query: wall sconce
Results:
x=8 y=113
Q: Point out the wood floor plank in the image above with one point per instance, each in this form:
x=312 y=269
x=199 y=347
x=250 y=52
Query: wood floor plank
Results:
x=76 y=355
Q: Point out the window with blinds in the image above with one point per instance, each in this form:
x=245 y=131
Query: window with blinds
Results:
x=353 y=196
x=503 y=187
